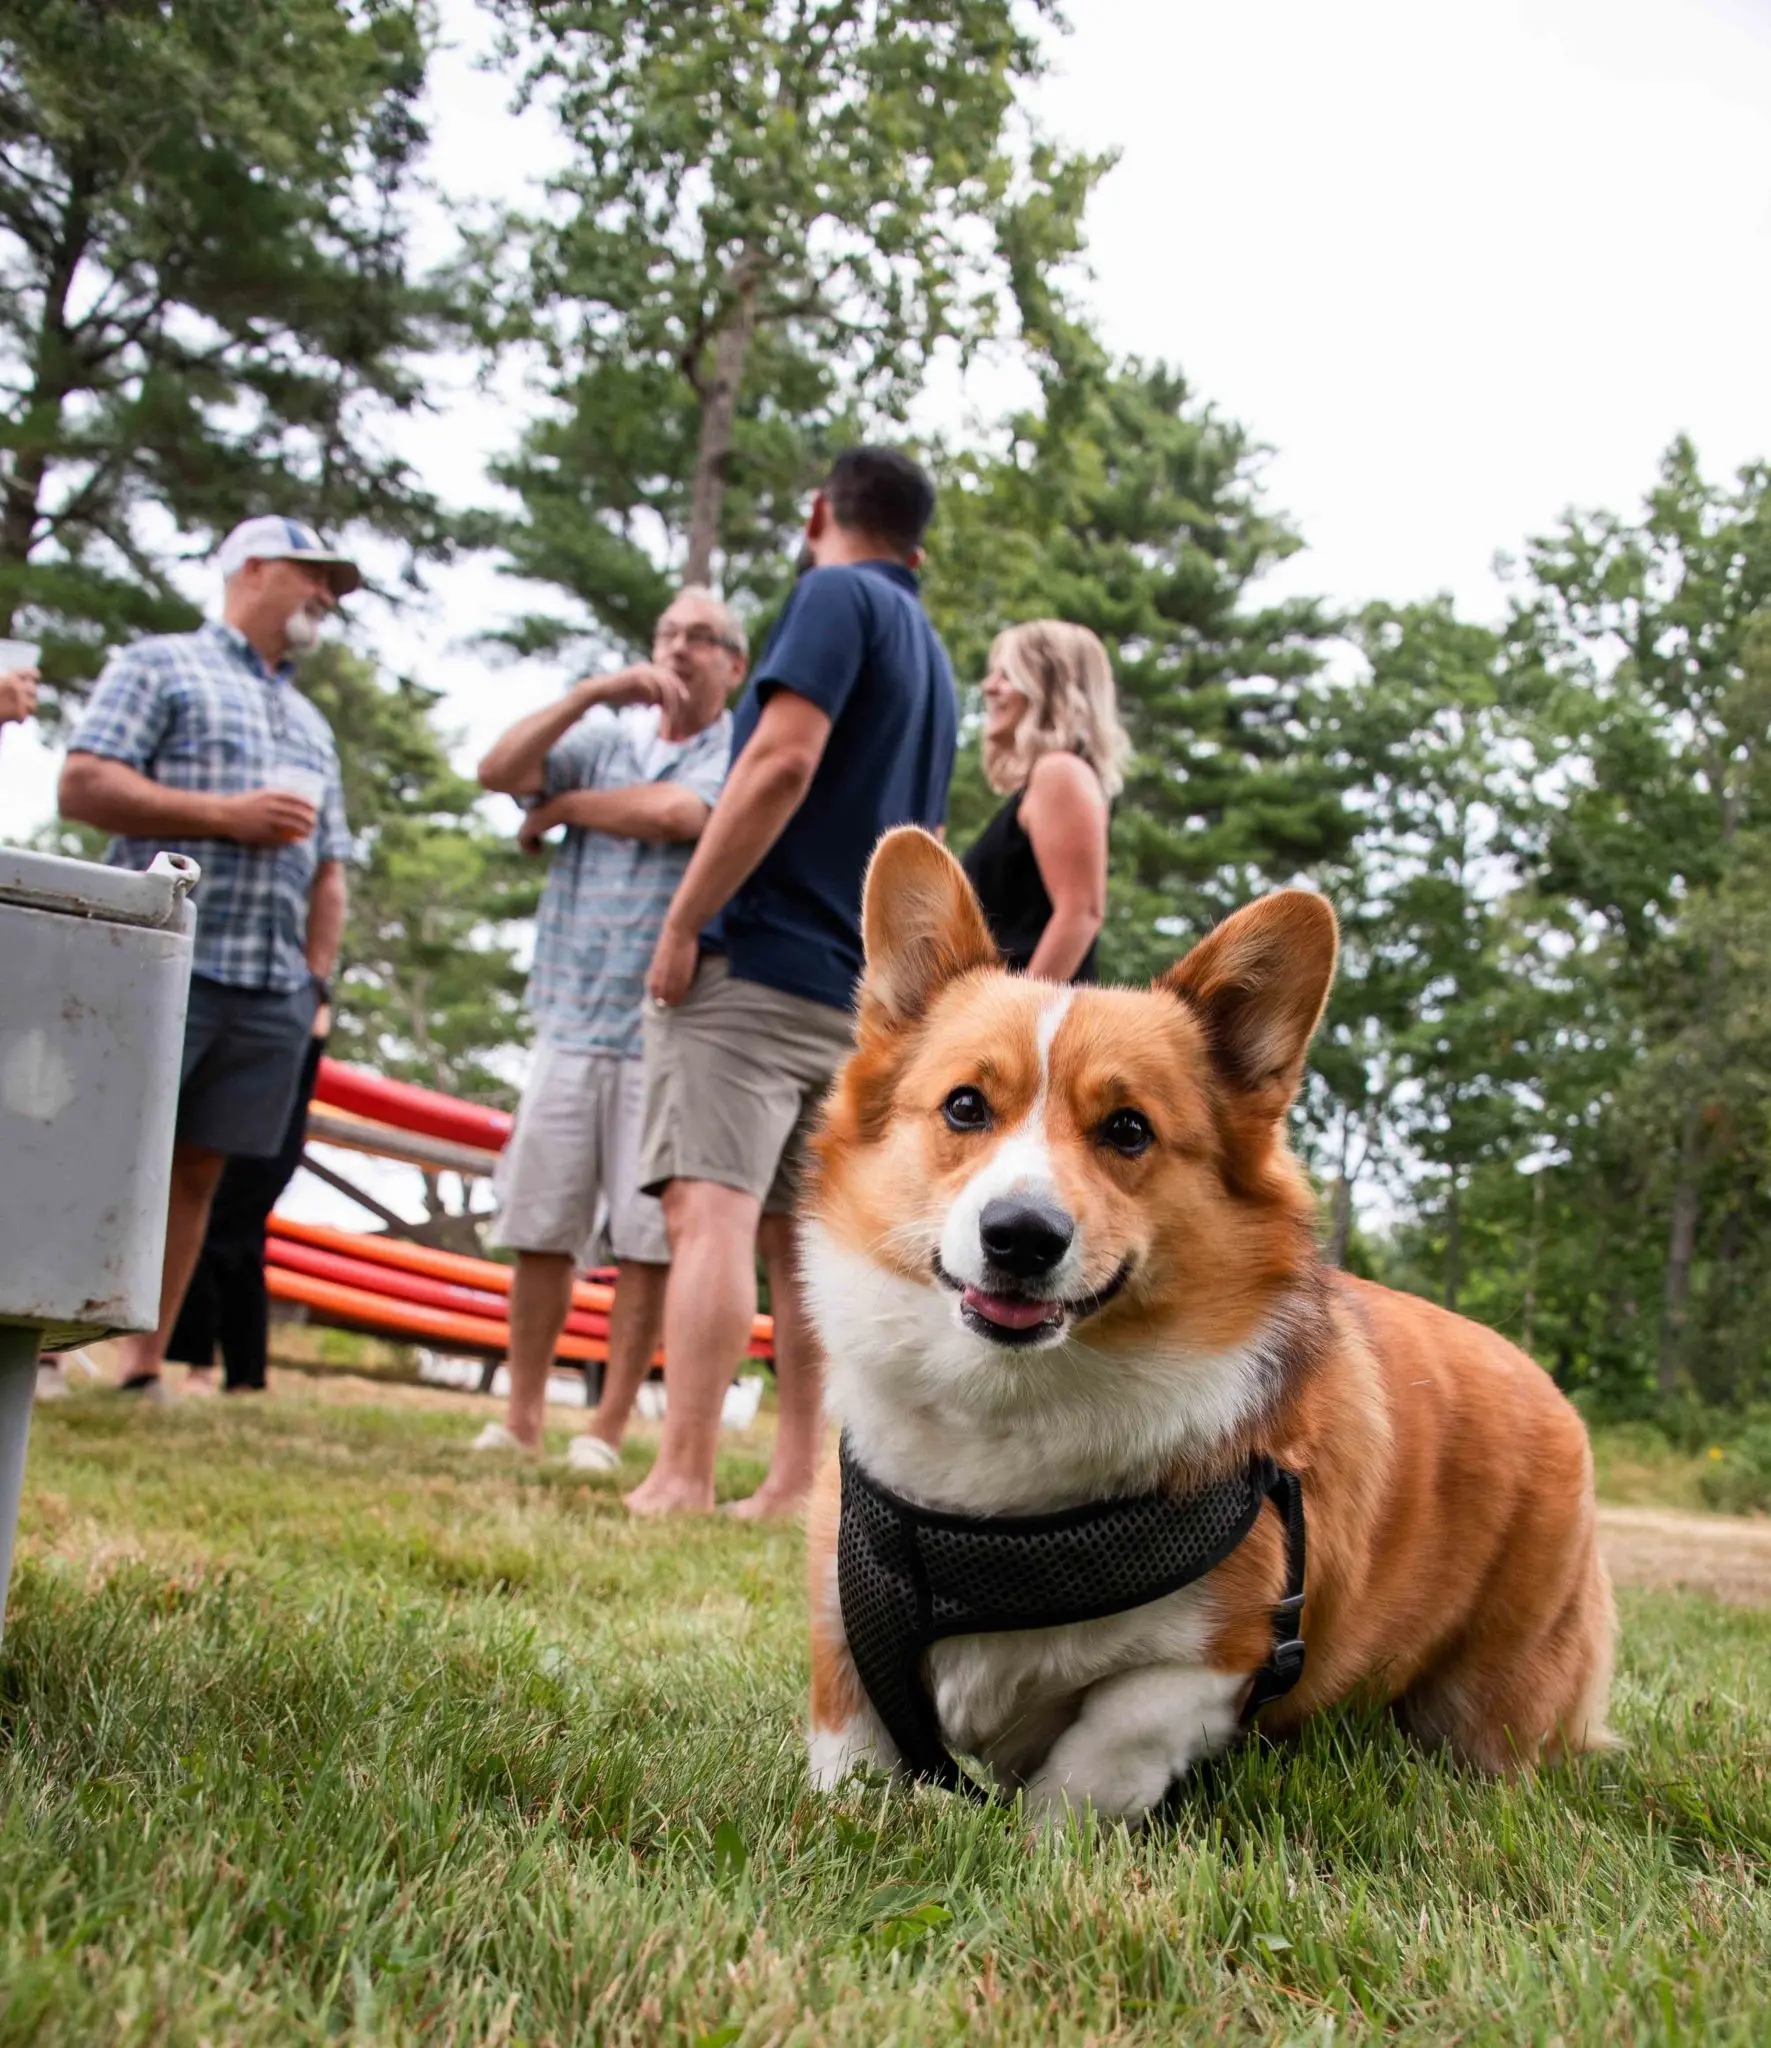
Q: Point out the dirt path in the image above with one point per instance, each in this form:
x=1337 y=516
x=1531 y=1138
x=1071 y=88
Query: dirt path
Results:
x=1727 y=1555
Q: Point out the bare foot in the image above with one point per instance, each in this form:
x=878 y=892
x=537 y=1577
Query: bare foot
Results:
x=768 y=1504
x=199 y=1382
x=656 y=1496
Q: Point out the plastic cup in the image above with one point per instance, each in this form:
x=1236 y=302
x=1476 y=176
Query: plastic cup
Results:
x=15 y=654
x=307 y=783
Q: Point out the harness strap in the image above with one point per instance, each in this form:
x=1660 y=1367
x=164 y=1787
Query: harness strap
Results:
x=1285 y=1662
x=909 y=1576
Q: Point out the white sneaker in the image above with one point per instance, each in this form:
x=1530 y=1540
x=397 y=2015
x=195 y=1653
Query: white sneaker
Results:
x=52 y=1385
x=495 y=1437
x=592 y=1454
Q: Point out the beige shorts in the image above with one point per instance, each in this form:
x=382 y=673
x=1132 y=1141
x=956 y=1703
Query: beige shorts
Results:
x=568 y=1181
x=734 y=1077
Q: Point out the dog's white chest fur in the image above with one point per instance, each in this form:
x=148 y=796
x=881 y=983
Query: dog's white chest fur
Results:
x=1006 y=1697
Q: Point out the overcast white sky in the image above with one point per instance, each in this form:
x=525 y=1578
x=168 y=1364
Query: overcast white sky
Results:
x=1460 y=265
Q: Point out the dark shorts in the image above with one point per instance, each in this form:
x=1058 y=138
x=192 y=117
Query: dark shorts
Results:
x=243 y=1049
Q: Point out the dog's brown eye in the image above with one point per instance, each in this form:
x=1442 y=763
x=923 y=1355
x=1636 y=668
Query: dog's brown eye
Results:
x=1127 y=1132
x=966 y=1110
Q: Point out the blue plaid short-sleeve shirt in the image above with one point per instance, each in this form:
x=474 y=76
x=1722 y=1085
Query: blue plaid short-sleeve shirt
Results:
x=605 y=899
x=201 y=711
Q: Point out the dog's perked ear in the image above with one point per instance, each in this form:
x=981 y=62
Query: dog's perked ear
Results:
x=920 y=925
x=1258 y=985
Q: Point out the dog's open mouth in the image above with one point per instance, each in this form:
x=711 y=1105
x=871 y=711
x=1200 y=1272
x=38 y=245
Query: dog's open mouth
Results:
x=1005 y=1312
x=1024 y=1318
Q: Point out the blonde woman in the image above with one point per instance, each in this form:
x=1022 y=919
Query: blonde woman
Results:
x=1054 y=746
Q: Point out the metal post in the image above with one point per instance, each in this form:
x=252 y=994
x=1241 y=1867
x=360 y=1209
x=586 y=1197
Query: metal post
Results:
x=18 y=1385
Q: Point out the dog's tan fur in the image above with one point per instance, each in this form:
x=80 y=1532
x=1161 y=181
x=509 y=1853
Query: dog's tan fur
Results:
x=1453 y=1564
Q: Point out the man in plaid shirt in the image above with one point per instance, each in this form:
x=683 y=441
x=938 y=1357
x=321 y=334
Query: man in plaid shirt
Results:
x=201 y=743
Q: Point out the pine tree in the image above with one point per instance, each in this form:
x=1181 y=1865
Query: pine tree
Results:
x=774 y=214
x=428 y=989
x=204 y=301
x=1430 y=1045
x=1130 y=506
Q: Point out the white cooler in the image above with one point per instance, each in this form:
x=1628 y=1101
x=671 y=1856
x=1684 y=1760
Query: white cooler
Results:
x=95 y=969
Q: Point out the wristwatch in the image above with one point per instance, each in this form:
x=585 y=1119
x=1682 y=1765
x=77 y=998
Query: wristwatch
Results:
x=323 y=987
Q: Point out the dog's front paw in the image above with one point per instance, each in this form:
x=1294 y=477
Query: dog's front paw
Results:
x=1135 y=1736
x=1120 y=1785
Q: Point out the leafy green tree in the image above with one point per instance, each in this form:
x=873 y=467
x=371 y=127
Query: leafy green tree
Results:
x=1614 y=1209
x=1654 y=635
x=774 y=213
x=429 y=988
x=204 y=300
x=1128 y=505
x=1428 y=1051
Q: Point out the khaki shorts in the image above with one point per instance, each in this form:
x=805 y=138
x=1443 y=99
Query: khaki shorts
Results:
x=569 y=1178
x=734 y=1077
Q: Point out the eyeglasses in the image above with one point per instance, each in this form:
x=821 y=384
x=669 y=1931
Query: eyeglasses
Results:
x=696 y=636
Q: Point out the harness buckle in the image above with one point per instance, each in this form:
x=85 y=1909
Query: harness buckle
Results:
x=1287 y=1659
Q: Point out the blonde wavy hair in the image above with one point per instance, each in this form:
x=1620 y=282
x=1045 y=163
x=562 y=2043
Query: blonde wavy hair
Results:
x=1072 y=708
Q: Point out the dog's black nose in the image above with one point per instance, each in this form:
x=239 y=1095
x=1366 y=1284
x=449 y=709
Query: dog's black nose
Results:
x=1024 y=1238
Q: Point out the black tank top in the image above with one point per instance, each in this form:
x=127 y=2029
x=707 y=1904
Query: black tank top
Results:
x=1011 y=890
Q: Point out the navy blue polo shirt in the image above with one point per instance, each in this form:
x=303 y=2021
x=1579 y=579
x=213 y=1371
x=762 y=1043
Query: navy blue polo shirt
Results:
x=855 y=641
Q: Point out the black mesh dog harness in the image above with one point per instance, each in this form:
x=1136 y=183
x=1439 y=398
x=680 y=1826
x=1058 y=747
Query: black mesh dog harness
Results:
x=907 y=1576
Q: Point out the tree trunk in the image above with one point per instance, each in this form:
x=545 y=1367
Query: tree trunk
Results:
x=1530 y=1317
x=52 y=383
x=719 y=405
x=1733 y=1237
x=1681 y=1247
x=1340 y=1220
x=1681 y=1236
x=1576 y=1345
x=1453 y=1245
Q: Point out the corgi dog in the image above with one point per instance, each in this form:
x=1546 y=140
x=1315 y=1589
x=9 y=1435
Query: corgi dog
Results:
x=1058 y=1253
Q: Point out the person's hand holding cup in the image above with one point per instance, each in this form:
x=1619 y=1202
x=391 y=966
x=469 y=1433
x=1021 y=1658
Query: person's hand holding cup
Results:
x=285 y=810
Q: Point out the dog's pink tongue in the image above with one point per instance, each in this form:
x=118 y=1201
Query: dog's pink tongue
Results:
x=1011 y=1315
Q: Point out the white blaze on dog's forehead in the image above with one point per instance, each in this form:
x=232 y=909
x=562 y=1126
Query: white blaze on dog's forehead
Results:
x=1050 y=1018
x=1022 y=1161
x=1021 y=1164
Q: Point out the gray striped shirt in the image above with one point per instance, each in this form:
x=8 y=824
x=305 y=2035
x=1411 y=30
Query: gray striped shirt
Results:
x=606 y=897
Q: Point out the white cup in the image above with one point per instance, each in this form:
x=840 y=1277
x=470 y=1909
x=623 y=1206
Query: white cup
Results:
x=16 y=654
x=307 y=783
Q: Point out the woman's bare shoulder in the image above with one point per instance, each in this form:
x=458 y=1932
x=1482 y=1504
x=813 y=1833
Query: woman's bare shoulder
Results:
x=1060 y=780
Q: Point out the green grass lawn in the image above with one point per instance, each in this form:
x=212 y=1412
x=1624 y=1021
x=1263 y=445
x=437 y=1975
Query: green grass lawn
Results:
x=313 y=1727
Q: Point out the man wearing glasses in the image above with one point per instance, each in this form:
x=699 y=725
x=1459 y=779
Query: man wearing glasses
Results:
x=630 y=765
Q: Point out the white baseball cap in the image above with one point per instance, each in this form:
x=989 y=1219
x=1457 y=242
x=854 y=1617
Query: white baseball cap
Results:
x=274 y=539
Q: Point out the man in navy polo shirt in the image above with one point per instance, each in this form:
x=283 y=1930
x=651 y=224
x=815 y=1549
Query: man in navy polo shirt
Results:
x=847 y=728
